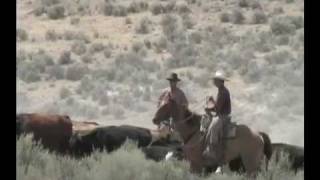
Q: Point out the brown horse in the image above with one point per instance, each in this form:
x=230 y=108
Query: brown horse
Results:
x=247 y=144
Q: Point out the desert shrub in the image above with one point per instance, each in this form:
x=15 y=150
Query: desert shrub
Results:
x=258 y=17
x=73 y=35
x=79 y=47
x=182 y=55
x=107 y=52
x=56 y=72
x=282 y=25
x=143 y=27
x=160 y=44
x=41 y=60
x=225 y=17
x=169 y=7
x=237 y=16
x=64 y=93
x=187 y=21
x=49 y=2
x=282 y=40
x=290 y=1
x=255 y=4
x=65 y=58
x=128 y=20
x=278 y=10
x=21 y=34
x=75 y=21
x=21 y=56
x=32 y=77
x=169 y=25
x=51 y=35
x=182 y=7
x=108 y=9
x=298 y=21
x=279 y=57
x=87 y=58
x=136 y=7
x=96 y=47
x=156 y=8
x=243 y=3
x=119 y=10
x=76 y=72
x=56 y=11
x=147 y=43
x=137 y=46
x=196 y=37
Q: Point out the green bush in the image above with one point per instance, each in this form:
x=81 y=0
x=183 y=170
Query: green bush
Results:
x=182 y=7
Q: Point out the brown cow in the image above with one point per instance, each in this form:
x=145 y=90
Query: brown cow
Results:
x=54 y=131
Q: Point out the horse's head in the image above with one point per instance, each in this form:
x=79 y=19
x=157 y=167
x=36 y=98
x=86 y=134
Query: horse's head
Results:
x=165 y=111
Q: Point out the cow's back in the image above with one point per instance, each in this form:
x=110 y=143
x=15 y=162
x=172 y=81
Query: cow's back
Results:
x=54 y=131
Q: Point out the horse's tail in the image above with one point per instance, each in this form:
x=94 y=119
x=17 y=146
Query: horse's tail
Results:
x=267 y=149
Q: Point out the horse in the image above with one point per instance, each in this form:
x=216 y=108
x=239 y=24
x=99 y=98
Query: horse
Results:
x=247 y=144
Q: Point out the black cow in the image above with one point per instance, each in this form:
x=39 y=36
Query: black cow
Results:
x=295 y=154
x=108 y=138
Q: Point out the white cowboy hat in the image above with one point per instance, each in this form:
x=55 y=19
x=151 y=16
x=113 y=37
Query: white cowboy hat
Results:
x=220 y=75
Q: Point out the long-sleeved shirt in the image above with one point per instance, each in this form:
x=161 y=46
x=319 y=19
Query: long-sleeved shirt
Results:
x=223 y=104
x=177 y=94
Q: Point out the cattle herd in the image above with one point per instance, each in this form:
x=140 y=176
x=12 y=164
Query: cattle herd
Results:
x=60 y=134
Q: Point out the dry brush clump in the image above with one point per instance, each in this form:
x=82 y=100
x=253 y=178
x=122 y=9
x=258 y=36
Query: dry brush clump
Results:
x=143 y=26
x=259 y=17
x=79 y=47
x=65 y=58
x=21 y=34
x=282 y=25
x=52 y=35
x=76 y=72
x=76 y=35
x=56 y=11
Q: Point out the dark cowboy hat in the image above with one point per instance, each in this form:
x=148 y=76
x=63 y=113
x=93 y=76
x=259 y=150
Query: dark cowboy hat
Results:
x=173 y=77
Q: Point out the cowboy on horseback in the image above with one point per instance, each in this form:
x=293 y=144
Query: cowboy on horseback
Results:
x=174 y=93
x=216 y=131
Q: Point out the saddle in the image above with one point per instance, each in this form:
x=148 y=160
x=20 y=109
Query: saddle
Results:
x=229 y=131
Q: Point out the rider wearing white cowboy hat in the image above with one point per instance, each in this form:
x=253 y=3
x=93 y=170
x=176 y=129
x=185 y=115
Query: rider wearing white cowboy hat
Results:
x=222 y=107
